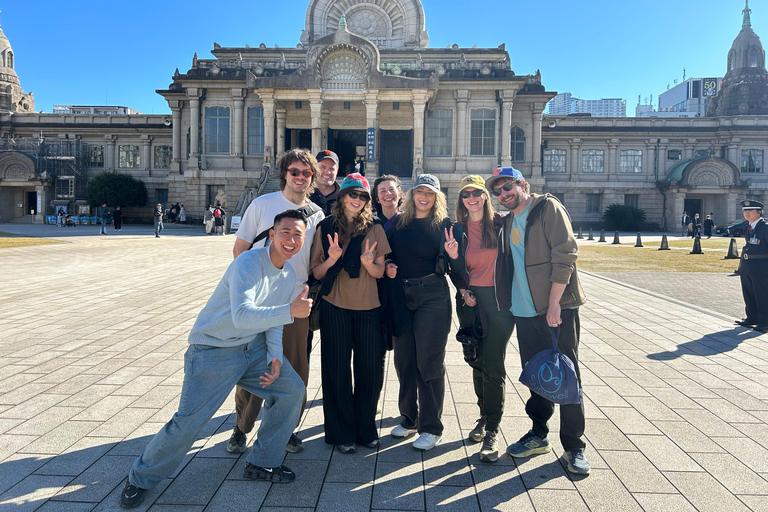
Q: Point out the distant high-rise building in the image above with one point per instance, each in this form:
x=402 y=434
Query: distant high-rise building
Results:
x=689 y=98
x=94 y=109
x=565 y=103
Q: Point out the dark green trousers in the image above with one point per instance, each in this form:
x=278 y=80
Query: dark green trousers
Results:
x=488 y=372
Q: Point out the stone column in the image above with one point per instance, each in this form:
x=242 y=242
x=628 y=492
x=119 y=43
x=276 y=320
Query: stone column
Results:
x=662 y=155
x=506 y=127
x=146 y=157
x=316 y=109
x=238 y=95
x=613 y=157
x=462 y=98
x=325 y=121
x=733 y=152
x=575 y=168
x=281 y=118
x=419 y=98
x=538 y=109
x=372 y=121
x=688 y=147
x=176 y=145
x=650 y=148
x=194 y=128
x=268 y=105
x=110 y=159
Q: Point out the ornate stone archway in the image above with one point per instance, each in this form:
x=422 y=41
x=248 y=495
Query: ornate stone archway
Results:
x=17 y=167
x=710 y=172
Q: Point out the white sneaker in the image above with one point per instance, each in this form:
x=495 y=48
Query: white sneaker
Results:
x=427 y=442
x=402 y=432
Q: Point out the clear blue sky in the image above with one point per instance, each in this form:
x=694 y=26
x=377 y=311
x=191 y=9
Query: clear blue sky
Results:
x=92 y=53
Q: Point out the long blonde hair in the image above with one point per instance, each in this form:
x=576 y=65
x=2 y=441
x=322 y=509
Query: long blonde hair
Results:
x=489 y=233
x=438 y=213
x=360 y=224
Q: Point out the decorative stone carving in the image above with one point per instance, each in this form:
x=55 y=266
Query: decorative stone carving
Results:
x=16 y=166
x=343 y=65
x=367 y=23
x=703 y=179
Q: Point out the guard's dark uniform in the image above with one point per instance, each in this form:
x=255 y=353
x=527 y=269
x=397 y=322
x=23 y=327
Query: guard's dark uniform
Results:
x=753 y=270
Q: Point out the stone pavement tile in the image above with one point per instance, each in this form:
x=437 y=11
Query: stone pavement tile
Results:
x=197 y=482
x=124 y=422
x=602 y=491
x=688 y=437
x=216 y=445
x=139 y=386
x=636 y=472
x=8 y=424
x=604 y=435
x=66 y=506
x=726 y=411
x=238 y=495
x=159 y=397
x=664 y=454
x=652 y=408
x=691 y=388
x=105 y=408
x=729 y=471
x=751 y=387
x=629 y=421
x=345 y=497
x=136 y=441
x=743 y=399
x=501 y=488
x=625 y=387
x=61 y=375
x=89 y=396
x=95 y=484
x=356 y=468
x=543 y=471
x=32 y=492
x=398 y=486
x=46 y=421
x=704 y=492
x=176 y=508
x=289 y=509
x=74 y=385
x=708 y=423
x=557 y=501
x=447 y=463
x=314 y=446
x=310 y=473
x=23 y=393
x=60 y=438
x=656 y=502
x=604 y=396
x=16 y=468
x=645 y=378
x=755 y=503
x=112 y=502
x=442 y=498
x=78 y=457
x=747 y=451
x=398 y=450
x=673 y=398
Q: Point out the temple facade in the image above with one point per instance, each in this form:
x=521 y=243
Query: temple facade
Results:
x=363 y=81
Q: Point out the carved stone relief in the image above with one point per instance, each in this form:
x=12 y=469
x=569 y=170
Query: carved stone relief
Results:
x=16 y=166
x=367 y=23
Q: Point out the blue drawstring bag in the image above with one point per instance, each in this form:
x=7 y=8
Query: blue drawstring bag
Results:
x=551 y=374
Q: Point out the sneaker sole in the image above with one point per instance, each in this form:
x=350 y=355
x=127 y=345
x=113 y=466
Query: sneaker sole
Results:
x=490 y=457
x=427 y=449
x=235 y=449
x=267 y=477
x=409 y=434
x=476 y=437
x=533 y=451
x=294 y=449
x=572 y=469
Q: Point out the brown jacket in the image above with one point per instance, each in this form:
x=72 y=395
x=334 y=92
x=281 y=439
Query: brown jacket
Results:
x=550 y=252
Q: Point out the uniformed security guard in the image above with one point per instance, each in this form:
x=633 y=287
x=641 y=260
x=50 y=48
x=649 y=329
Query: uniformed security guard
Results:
x=753 y=267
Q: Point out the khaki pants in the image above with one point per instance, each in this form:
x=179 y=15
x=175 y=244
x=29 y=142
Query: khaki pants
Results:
x=247 y=406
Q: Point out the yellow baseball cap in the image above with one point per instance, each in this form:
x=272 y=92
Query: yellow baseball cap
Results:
x=473 y=180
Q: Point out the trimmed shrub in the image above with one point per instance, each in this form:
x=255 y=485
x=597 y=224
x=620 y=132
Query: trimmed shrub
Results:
x=116 y=189
x=623 y=218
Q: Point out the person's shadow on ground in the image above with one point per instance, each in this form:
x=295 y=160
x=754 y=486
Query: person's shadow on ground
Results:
x=709 y=344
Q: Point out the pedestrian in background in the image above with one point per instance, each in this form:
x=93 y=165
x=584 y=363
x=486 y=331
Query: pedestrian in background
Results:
x=117 y=218
x=709 y=225
x=208 y=219
x=182 y=215
x=158 y=220
x=103 y=219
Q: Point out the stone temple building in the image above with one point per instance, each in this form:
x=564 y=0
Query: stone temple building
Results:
x=363 y=81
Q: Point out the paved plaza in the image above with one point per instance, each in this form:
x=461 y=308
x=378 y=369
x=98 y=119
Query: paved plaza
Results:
x=91 y=366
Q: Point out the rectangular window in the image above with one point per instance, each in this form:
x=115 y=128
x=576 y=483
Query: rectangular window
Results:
x=674 y=154
x=129 y=157
x=96 y=156
x=593 y=160
x=298 y=105
x=395 y=105
x=752 y=160
x=554 y=160
x=217 y=130
x=163 y=155
x=517 y=149
x=631 y=161
x=439 y=132
x=256 y=131
x=594 y=203
x=161 y=196
x=632 y=200
x=701 y=153
x=483 y=133
x=347 y=105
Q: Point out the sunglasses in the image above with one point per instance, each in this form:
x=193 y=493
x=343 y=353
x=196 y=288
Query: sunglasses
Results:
x=298 y=172
x=361 y=195
x=506 y=187
x=465 y=194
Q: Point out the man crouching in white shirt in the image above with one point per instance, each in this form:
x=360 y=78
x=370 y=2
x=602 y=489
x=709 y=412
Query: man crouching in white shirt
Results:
x=237 y=340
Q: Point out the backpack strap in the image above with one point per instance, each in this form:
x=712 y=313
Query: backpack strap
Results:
x=308 y=210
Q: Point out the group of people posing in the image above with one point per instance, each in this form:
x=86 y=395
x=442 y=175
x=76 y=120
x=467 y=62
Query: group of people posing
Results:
x=380 y=258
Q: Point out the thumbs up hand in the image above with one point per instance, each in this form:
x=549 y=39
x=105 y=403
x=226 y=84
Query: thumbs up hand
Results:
x=301 y=305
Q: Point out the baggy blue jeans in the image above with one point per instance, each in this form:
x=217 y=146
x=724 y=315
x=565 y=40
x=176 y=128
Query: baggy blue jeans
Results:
x=210 y=373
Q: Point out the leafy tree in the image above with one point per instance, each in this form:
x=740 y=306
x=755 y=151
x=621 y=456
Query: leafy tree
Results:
x=623 y=218
x=116 y=189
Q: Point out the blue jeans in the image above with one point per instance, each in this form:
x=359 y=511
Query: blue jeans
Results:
x=103 y=228
x=210 y=373
x=158 y=227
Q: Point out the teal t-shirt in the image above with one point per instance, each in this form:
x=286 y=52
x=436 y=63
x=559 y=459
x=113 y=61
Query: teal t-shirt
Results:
x=522 y=302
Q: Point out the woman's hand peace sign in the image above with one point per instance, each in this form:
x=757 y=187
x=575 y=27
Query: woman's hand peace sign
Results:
x=367 y=257
x=334 y=251
x=451 y=245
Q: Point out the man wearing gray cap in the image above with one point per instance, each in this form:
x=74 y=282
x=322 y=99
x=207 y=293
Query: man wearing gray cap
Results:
x=753 y=268
x=158 y=219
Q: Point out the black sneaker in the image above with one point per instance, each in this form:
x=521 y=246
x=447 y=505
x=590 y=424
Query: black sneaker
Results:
x=490 y=450
x=476 y=434
x=279 y=475
x=295 y=445
x=237 y=441
x=132 y=496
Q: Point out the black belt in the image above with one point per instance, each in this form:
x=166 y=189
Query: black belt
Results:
x=754 y=256
x=429 y=277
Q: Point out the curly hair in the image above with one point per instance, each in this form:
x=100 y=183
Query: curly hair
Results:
x=490 y=239
x=362 y=221
x=438 y=213
x=375 y=190
x=297 y=155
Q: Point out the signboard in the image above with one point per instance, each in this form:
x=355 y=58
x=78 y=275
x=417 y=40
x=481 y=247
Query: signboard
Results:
x=709 y=86
x=371 y=144
x=235 y=222
x=39 y=203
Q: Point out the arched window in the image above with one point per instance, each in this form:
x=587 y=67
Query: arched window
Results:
x=343 y=69
x=518 y=144
x=730 y=61
x=754 y=58
x=10 y=60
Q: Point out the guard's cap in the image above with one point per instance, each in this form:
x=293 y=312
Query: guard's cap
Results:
x=751 y=205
